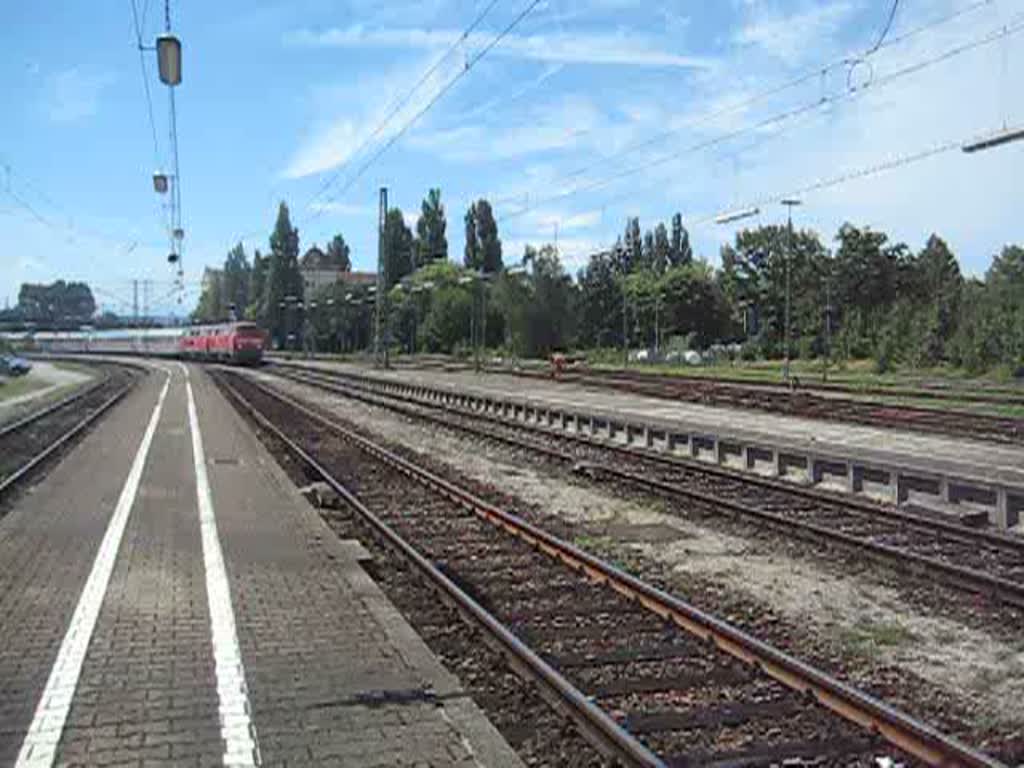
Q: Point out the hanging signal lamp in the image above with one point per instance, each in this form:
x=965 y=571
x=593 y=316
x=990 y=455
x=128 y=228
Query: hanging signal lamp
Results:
x=160 y=183
x=168 y=56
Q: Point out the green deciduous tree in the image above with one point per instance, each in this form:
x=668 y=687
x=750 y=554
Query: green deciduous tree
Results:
x=680 y=251
x=257 y=287
x=600 y=301
x=430 y=229
x=338 y=255
x=753 y=281
x=236 y=280
x=550 y=323
x=56 y=302
x=662 y=250
x=400 y=247
x=210 y=308
x=284 y=281
x=483 y=246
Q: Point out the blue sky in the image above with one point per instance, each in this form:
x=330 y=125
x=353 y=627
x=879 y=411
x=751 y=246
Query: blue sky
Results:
x=587 y=113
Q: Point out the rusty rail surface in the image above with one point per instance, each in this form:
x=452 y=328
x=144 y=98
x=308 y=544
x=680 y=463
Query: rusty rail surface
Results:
x=9 y=481
x=606 y=735
x=908 y=734
x=972 y=580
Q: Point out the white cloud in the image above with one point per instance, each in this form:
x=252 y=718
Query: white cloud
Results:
x=618 y=49
x=72 y=95
x=566 y=222
x=334 y=141
x=331 y=145
x=562 y=125
x=969 y=200
x=794 y=37
x=342 y=209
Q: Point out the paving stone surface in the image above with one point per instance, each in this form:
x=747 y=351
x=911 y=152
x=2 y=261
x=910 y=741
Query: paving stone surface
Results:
x=335 y=677
x=48 y=541
x=148 y=690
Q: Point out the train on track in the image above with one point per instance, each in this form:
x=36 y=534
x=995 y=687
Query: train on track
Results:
x=236 y=342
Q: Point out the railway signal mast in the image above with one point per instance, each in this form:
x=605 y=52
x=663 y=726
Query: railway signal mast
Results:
x=168 y=54
x=790 y=203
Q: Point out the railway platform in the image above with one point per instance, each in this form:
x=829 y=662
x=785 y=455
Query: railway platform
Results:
x=170 y=599
x=947 y=474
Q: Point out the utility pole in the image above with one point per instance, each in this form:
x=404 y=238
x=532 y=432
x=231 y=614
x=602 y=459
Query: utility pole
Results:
x=380 y=307
x=483 y=323
x=789 y=203
x=657 y=325
x=135 y=302
x=828 y=326
x=625 y=327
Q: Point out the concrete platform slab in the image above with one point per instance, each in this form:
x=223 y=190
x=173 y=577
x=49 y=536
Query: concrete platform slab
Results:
x=890 y=463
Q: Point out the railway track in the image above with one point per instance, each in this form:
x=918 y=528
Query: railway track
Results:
x=810 y=403
x=28 y=443
x=977 y=561
x=645 y=677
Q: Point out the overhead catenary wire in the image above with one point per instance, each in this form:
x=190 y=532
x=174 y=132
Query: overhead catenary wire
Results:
x=845 y=178
x=145 y=80
x=850 y=92
x=819 y=71
x=164 y=214
x=55 y=223
x=888 y=26
x=875 y=169
x=403 y=100
x=470 y=63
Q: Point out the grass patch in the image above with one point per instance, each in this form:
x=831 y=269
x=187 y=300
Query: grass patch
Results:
x=606 y=548
x=870 y=638
x=85 y=370
x=16 y=387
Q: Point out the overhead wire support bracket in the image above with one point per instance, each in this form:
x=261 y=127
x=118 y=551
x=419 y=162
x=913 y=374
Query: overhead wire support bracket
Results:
x=997 y=139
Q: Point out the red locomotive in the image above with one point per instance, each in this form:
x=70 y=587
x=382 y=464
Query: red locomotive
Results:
x=232 y=342
x=226 y=342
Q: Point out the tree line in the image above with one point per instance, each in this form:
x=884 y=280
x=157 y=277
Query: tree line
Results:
x=864 y=297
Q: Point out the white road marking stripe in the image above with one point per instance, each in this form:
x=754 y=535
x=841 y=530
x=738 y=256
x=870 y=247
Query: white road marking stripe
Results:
x=236 y=727
x=40 y=745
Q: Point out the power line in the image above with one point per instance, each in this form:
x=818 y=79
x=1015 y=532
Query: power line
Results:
x=470 y=63
x=851 y=92
x=838 y=180
x=885 y=30
x=403 y=101
x=844 y=178
x=69 y=227
x=145 y=80
x=812 y=74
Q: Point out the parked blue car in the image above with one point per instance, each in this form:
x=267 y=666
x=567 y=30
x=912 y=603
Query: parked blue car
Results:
x=14 y=366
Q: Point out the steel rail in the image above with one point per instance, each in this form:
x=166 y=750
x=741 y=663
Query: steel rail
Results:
x=9 y=429
x=953 y=530
x=912 y=736
x=8 y=482
x=602 y=731
x=970 y=579
x=604 y=377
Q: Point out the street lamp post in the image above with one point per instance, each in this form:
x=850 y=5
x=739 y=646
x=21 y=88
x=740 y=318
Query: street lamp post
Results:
x=790 y=203
x=480 y=279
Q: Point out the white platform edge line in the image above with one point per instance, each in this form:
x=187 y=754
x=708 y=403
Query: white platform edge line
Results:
x=236 y=727
x=40 y=745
